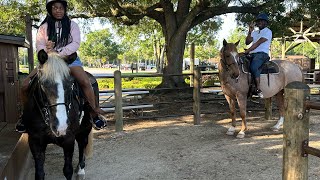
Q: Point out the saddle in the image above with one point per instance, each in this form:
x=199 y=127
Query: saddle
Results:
x=267 y=68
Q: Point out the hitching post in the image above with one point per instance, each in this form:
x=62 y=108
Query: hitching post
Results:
x=295 y=132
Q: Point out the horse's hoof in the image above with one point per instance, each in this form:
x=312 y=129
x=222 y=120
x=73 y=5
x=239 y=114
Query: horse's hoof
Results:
x=275 y=129
x=231 y=131
x=81 y=174
x=81 y=177
x=241 y=135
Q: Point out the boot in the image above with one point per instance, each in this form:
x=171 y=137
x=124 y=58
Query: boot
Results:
x=20 y=127
x=258 y=91
x=98 y=121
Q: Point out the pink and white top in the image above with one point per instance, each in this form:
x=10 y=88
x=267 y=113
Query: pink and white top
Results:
x=73 y=46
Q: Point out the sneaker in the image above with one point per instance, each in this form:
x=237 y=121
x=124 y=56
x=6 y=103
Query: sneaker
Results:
x=98 y=123
x=20 y=127
x=259 y=93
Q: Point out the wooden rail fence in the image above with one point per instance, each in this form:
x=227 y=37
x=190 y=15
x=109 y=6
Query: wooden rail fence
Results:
x=296 y=131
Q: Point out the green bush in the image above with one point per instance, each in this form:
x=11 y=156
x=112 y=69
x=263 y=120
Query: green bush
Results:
x=131 y=83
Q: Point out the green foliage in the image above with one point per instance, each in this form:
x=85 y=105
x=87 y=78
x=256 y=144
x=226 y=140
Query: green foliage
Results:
x=306 y=49
x=204 y=33
x=239 y=34
x=99 y=45
x=138 y=40
x=129 y=83
x=12 y=15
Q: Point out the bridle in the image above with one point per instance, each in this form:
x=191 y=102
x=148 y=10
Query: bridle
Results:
x=44 y=106
x=227 y=66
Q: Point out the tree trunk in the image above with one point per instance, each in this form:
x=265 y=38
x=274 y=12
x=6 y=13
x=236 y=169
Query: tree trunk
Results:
x=174 y=51
x=163 y=50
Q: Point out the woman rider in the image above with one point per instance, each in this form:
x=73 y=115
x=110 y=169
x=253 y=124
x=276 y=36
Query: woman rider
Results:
x=58 y=33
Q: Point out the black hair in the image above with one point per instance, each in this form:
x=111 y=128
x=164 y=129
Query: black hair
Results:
x=52 y=29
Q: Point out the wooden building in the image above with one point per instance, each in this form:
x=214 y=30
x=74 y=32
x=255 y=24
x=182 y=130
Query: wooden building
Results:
x=9 y=82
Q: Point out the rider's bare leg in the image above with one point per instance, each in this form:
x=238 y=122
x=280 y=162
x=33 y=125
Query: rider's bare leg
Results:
x=80 y=75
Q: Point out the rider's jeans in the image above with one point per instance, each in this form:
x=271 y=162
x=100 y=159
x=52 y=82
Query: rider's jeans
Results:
x=257 y=61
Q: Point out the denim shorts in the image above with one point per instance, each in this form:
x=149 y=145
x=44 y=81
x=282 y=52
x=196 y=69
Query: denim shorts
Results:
x=257 y=61
x=76 y=62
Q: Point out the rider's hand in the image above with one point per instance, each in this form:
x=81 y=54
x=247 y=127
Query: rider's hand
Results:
x=42 y=56
x=50 y=46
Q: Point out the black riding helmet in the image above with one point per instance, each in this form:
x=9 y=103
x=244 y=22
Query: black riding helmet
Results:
x=50 y=2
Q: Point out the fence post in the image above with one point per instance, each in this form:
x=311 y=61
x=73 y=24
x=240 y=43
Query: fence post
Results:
x=268 y=108
x=191 y=63
x=118 y=99
x=196 y=95
x=295 y=132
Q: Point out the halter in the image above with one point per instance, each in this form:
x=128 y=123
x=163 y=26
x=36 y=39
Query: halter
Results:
x=227 y=66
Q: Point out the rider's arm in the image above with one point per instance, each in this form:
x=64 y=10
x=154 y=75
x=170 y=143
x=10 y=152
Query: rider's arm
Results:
x=249 y=38
x=256 y=44
x=75 y=43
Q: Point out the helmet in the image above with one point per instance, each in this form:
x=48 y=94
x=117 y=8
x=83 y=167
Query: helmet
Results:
x=262 y=16
x=50 y=2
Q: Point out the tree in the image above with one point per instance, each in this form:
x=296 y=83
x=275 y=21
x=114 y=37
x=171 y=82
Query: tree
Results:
x=13 y=12
x=99 y=45
x=239 y=34
x=176 y=18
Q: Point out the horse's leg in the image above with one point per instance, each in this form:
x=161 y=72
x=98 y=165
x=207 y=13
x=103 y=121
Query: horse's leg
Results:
x=68 y=149
x=232 y=108
x=38 y=150
x=242 y=102
x=82 y=140
x=280 y=102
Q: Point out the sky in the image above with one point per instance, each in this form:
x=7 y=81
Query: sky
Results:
x=227 y=27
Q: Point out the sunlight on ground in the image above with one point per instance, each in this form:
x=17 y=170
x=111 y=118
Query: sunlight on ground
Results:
x=181 y=121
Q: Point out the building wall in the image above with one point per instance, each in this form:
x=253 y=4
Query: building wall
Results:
x=9 y=84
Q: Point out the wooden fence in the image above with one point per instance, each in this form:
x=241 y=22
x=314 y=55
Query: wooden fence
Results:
x=196 y=78
x=296 y=132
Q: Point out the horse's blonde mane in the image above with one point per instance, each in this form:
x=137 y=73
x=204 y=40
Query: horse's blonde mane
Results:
x=55 y=67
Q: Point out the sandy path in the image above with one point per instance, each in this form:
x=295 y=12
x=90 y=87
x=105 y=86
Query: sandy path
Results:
x=176 y=149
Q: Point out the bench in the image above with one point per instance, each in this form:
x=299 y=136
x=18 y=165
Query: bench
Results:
x=129 y=107
x=105 y=96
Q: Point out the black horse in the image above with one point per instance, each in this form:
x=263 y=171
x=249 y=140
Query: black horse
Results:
x=57 y=113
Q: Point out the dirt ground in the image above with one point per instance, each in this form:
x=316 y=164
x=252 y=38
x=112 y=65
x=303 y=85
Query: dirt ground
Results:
x=173 y=148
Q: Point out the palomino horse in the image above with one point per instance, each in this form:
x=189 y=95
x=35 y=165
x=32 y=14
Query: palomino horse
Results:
x=235 y=84
x=56 y=113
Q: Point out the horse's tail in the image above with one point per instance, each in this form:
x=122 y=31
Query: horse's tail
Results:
x=88 y=152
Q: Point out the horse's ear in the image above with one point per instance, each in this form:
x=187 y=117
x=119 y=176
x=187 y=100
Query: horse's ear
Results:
x=237 y=43
x=224 y=42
